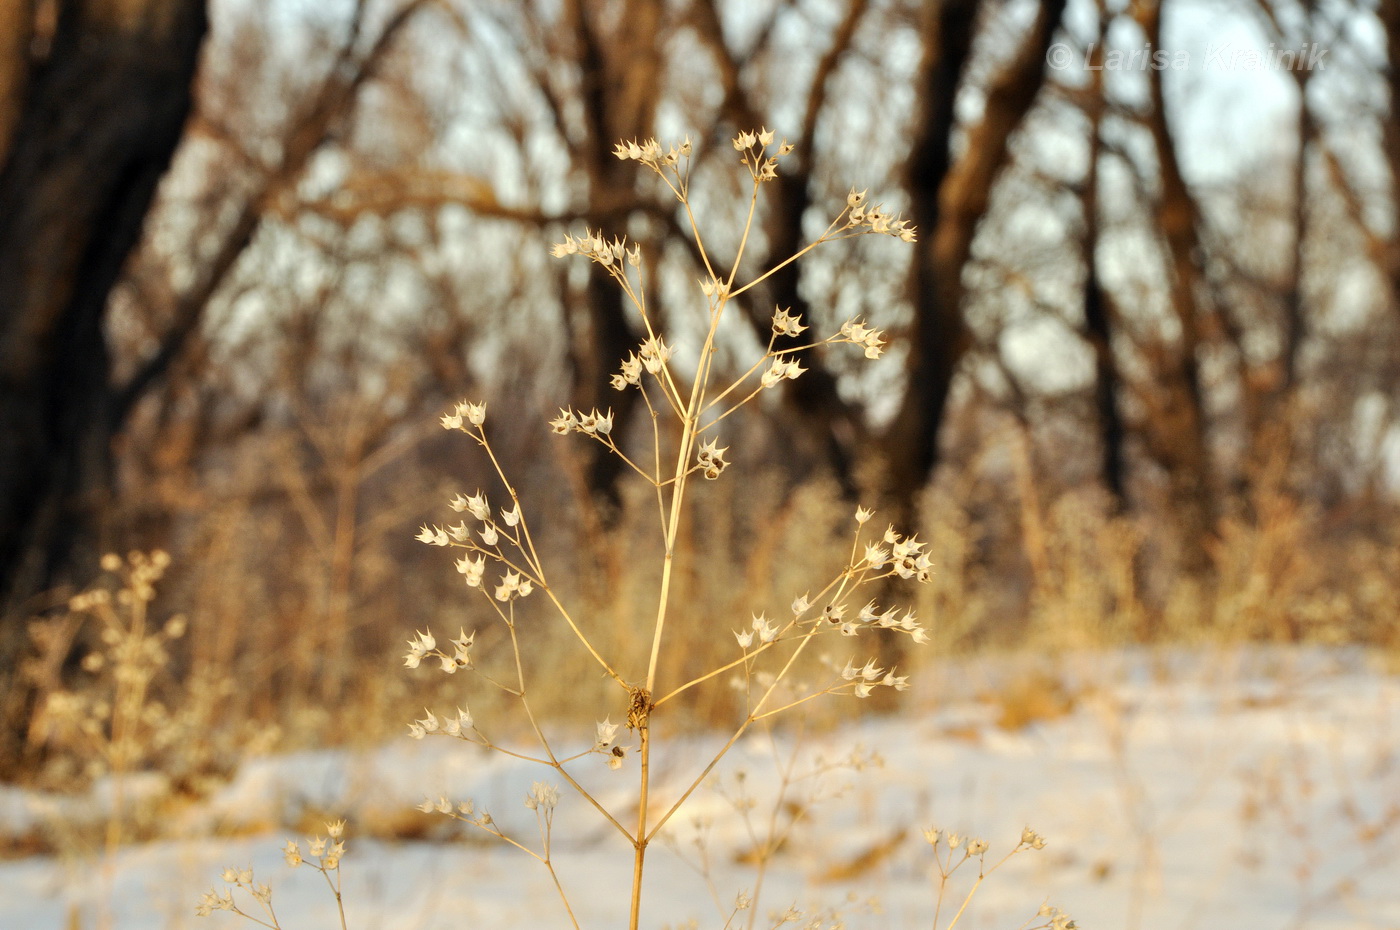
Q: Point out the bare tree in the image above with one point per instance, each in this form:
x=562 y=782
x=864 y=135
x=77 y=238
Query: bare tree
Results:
x=94 y=124
x=90 y=121
x=949 y=199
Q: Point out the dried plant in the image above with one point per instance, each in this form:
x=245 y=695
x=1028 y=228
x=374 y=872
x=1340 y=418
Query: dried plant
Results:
x=688 y=406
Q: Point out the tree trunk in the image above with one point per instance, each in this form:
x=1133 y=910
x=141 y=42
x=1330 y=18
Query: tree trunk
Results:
x=620 y=74
x=1180 y=441
x=1098 y=318
x=1390 y=19
x=95 y=124
x=813 y=403
x=948 y=201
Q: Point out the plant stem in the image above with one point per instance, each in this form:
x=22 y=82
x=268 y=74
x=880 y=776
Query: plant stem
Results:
x=640 y=841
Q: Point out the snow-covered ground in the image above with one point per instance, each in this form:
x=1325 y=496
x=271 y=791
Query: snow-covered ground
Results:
x=1221 y=791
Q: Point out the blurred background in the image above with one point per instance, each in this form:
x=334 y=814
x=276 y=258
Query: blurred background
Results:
x=1142 y=375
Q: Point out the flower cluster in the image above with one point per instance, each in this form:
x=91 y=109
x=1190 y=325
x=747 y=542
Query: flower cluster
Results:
x=592 y=245
x=212 y=900
x=460 y=725
x=953 y=840
x=605 y=743
x=870 y=617
x=485 y=544
x=464 y=811
x=424 y=645
x=513 y=585
x=782 y=368
x=712 y=288
x=871 y=676
x=855 y=331
x=752 y=148
x=649 y=153
x=114 y=723
x=655 y=353
x=1059 y=920
x=785 y=323
x=327 y=854
x=465 y=412
x=710 y=459
x=542 y=796
x=592 y=423
x=876 y=219
x=761 y=629
x=631 y=373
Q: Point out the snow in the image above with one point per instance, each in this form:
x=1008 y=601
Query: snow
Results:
x=1217 y=790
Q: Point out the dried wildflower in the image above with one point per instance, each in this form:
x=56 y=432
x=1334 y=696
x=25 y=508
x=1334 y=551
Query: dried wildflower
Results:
x=478 y=507
x=782 y=368
x=1032 y=839
x=292 y=853
x=713 y=287
x=513 y=586
x=631 y=372
x=785 y=324
x=433 y=536
x=595 y=423
x=876 y=557
x=212 y=901
x=459 y=726
x=710 y=459
x=463 y=641
x=763 y=629
x=542 y=795
x=566 y=422
x=655 y=354
x=332 y=860
x=976 y=847
x=472 y=569
x=593 y=246
x=475 y=414
x=607 y=732
x=418 y=647
x=854 y=331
